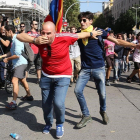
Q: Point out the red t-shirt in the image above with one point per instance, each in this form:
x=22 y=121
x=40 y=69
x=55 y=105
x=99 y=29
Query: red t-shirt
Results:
x=56 y=61
x=33 y=46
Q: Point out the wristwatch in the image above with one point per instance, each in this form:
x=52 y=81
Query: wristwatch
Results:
x=91 y=34
x=34 y=40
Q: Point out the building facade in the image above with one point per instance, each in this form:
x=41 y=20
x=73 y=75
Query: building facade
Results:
x=120 y=6
x=97 y=14
x=26 y=10
x=107 y=8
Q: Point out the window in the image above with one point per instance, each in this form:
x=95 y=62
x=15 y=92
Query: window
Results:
x=122 y=4
x=38 y=2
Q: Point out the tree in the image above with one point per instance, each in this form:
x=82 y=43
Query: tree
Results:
x=99 y=21
x=125 y=22
x=103 y=22
x=72 y=13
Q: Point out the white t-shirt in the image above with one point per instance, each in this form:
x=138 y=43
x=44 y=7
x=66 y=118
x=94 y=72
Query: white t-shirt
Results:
x=136 y=55
x=74 y=50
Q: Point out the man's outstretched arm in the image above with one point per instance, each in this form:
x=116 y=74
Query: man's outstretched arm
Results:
x=24 y=37
x=122 y=42
x=95 y=33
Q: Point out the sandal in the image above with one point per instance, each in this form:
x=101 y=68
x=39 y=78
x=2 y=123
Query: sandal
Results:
x=27 y=98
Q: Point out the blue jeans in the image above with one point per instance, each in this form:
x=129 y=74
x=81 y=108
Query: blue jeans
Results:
x=54 y=92
x=125 y=64
x=99 y=78
x=2 y=72
x=118 y=68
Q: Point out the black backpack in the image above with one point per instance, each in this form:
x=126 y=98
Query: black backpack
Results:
x=28 y=53
x=101 y=42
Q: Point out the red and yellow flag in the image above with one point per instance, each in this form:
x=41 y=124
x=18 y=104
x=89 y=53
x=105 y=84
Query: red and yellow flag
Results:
x=56 y=14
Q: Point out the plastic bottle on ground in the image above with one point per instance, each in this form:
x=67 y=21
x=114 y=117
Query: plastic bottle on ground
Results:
x=15 y=136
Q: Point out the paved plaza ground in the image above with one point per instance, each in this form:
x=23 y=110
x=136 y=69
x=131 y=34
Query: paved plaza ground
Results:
x=123 y=108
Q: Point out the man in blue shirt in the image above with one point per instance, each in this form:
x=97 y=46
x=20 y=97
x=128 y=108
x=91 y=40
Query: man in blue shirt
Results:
x=92 y=65
x=19 y=66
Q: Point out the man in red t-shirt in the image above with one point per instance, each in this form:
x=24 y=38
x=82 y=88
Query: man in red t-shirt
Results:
x=56 y=71
x=37 y=58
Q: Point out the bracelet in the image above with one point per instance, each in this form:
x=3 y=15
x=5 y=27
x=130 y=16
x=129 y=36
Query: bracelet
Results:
x=34 y=40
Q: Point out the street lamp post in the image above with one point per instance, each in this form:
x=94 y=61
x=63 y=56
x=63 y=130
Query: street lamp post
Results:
x=136 y=13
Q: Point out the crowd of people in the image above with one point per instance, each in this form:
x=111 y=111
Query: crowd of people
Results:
x=63 y=58
x=120 y=59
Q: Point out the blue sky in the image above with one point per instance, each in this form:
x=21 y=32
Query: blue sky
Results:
x=92 y=7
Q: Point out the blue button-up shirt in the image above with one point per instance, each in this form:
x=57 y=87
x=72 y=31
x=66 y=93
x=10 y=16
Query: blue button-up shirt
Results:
x=16 y=49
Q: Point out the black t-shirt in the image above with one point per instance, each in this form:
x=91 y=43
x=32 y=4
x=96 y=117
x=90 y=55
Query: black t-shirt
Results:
x=4 y=48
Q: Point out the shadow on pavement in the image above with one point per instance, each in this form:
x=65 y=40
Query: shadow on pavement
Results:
x=97 y=120
x=90 y=87
x=23 y=115
x=125 y=86
x=53 y=133
x=32 y=80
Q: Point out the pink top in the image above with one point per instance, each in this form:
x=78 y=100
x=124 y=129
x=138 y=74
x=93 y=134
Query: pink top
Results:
x=111 y=45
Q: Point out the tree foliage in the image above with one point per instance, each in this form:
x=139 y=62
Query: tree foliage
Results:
x=103 y=22
x=124 y=23
x=72 y=13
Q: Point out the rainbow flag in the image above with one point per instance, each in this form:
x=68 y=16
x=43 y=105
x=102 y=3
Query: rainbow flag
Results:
x=56 y=14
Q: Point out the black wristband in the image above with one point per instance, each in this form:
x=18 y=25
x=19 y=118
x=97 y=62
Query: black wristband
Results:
x=34 y=40
x=91 y=34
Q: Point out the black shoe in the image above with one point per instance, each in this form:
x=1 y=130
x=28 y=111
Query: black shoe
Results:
x=2 y=86
x=71 y=83
x=38 y=81
x=27 y=98
x=84 y=121
x=128 y=80
x=75 y=79
x=134 y=78
x=104 y=117
x=107 y=82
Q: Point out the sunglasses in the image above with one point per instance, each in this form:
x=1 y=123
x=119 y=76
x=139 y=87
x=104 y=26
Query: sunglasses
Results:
x=35 y=24
x=49 y=50
x=84 y=20
x=22 y=26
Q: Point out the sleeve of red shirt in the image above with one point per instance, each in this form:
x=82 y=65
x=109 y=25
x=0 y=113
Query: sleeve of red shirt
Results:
x=72 y=38
x=105 y=43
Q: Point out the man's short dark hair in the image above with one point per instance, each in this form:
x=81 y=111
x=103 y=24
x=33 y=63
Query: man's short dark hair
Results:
x=87 y=15
x=111 y=32
x=10 y=27
x=68 y=29
x=73 y=27
x=121 y=35
x=138 y=34
x=22 y=23
x=32 y=22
